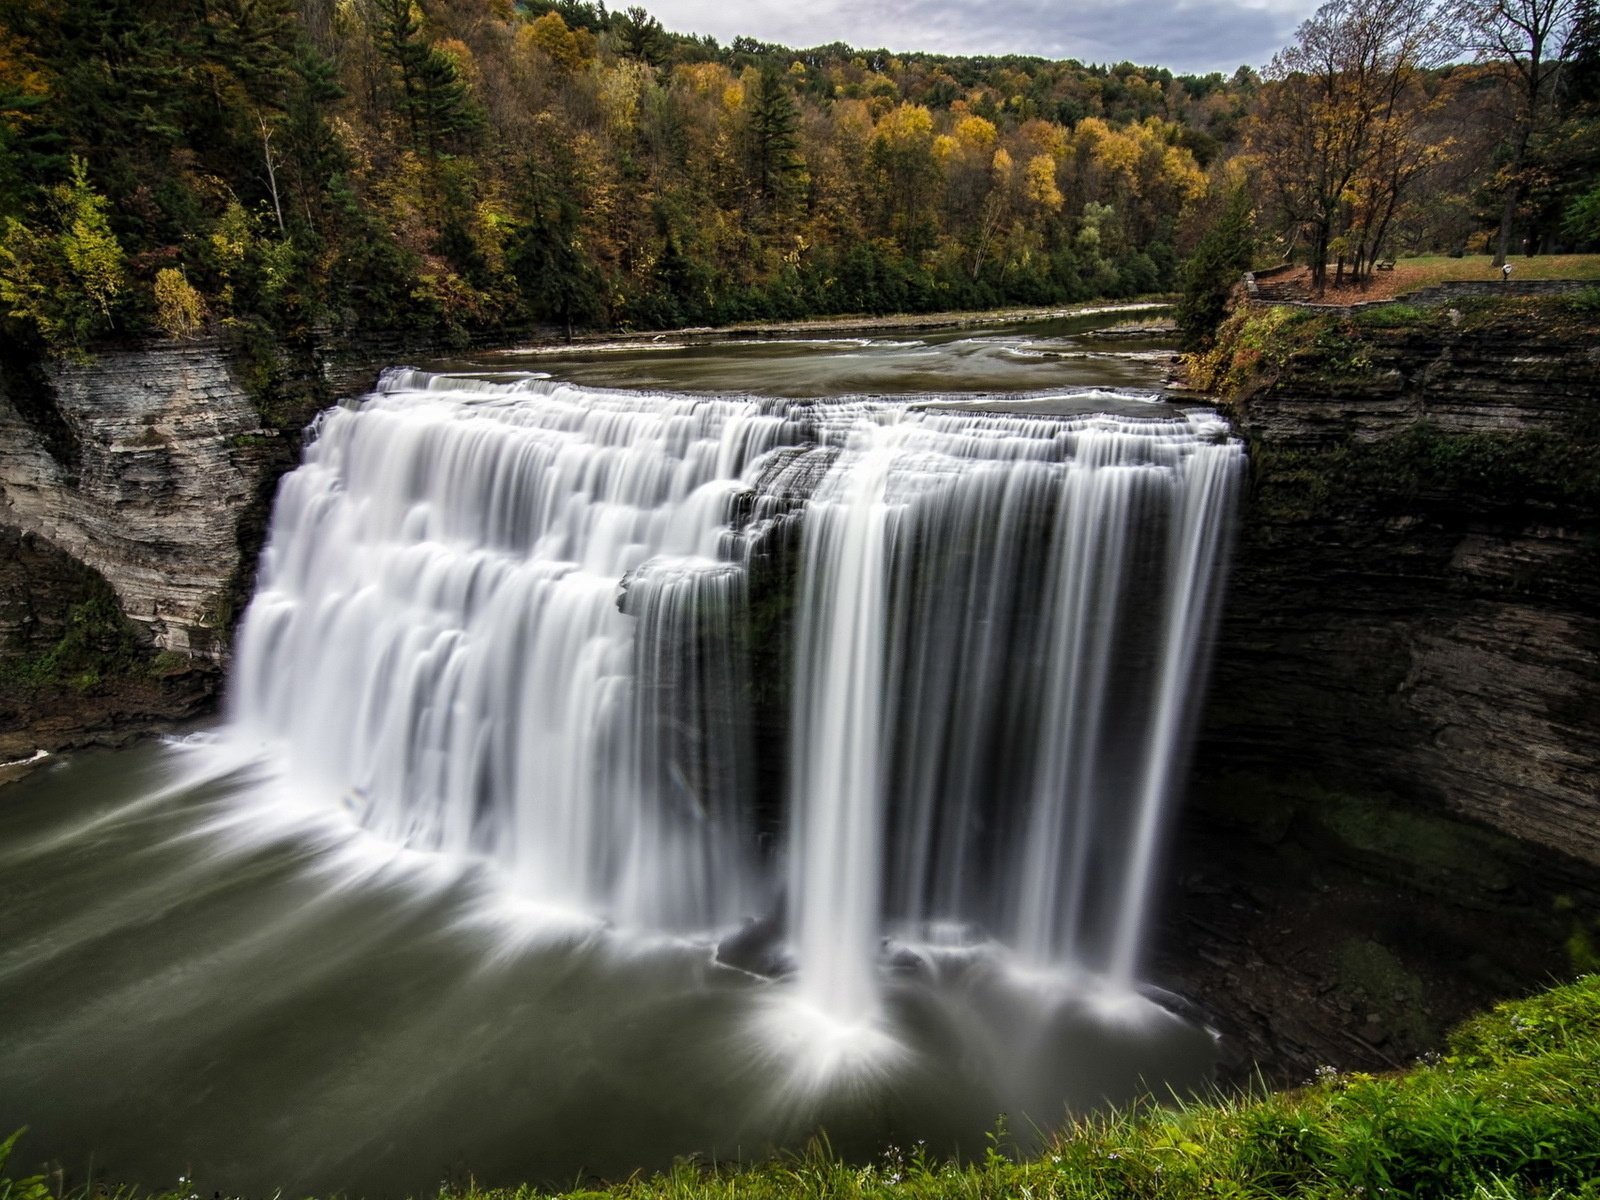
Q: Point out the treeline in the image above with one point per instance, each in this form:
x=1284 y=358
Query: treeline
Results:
x=452 y=166
x=455 y=165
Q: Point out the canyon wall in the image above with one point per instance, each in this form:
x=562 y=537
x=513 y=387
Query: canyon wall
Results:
x=1416 y=593
x=134 y=490
x=1396 y=815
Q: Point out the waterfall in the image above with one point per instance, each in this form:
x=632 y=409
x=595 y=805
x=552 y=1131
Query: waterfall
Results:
x=1002 y=624
x=498 y=621
x=513 y=623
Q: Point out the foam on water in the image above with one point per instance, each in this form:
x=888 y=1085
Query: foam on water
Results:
x=508 y=624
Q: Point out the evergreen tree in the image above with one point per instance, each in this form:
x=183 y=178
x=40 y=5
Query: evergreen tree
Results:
x=1224 y=253
x=775 y=141
x=639 y=35
x=434 y=99
x=554 y=273
x=314 y=154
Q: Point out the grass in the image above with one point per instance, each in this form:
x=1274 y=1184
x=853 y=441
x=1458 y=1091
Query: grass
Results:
x=1428 y=270
x=1424 y=271
x=1509 y=1111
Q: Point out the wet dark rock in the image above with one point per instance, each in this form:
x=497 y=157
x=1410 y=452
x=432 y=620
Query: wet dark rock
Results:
x=1401 y=738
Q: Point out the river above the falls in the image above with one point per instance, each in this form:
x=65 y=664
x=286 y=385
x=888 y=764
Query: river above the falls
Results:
x=1122 y=347
x=315 y=948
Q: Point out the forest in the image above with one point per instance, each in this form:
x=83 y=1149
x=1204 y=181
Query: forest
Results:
x=458 y=168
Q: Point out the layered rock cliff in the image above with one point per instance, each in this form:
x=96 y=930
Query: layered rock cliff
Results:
x=1416 y=598
x=1398 y=809
x=134 y=490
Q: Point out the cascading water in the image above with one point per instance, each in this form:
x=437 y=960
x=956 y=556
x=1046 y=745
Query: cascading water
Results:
x=437 y=637
x=649 y=774
x=1001 y=622
x=510 y=621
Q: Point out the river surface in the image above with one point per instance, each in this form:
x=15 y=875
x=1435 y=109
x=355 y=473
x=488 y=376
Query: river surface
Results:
x=208 y=973
x=1106 y=348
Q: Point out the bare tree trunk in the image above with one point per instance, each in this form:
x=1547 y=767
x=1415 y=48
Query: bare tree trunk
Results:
x=1319 y=258
x=991 y=221
x=1508 y=213
x=272 y=173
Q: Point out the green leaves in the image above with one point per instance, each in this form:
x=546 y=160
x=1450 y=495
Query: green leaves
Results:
x=64 y=278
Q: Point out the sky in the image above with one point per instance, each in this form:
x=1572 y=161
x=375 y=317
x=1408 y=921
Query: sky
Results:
x=1186 y=36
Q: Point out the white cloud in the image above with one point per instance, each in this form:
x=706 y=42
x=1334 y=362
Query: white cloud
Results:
x=1183 y=35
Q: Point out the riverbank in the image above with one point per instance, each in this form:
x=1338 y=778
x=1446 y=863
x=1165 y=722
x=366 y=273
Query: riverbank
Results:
x=1508 y=1110
x=857 y=323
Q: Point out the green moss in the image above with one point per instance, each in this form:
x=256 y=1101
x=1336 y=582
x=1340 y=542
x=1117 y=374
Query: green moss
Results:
x=1435 y=849
x=97 y=644
x=1392 y=316
x=1371 y=979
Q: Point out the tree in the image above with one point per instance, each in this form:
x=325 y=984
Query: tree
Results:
x=639 y=35
x=434 y=99
x=314 y=153
x=1527 y=42
x=65 y=279
x=546 y=255
x=775 y=163
x=29 y=146
x=1335 y=116
x=1223 y=254
x=902 y=151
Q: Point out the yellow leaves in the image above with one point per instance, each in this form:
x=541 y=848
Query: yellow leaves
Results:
x=65 y=276
x=621 y=85
x=1090 y=131
x=1000 y=167
x=1045 y=137
x=1040 y=184
x=704 y=79
x=565 y=49
x=179 y=309
x=461 y=57
x=944 y=148
x=975 y=131
x=1119 y=153
x=1182 y=174
x=905 y=127
x=22 y=75
x=230 y=240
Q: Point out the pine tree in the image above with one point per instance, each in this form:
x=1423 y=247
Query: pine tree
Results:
x=434 y=99
x=1224 y=253
x=775 y=141
x=555 y=275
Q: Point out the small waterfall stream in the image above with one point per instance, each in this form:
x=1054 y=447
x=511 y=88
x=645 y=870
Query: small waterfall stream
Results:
x=511 y=622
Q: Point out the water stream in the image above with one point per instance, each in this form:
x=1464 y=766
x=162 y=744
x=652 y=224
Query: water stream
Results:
x=613 y=774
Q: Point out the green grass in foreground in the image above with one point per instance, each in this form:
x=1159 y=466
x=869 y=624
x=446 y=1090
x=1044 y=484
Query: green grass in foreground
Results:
x=1510 y=1111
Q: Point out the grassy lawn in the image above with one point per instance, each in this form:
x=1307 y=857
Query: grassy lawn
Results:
x=1427 y=270
x=1410 y=274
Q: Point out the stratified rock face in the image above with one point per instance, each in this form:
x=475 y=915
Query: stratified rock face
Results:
x=139 y=464
x=1415 y=604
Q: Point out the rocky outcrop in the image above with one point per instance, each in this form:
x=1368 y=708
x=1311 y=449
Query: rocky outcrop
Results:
x=1416 y=597
x=1397 y=805
x=139 y=484
x=165 y=454
x=135 y=488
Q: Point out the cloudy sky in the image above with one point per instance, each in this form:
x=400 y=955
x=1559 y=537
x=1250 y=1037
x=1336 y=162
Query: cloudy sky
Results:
x=1185 y=35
